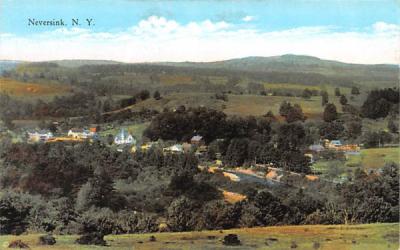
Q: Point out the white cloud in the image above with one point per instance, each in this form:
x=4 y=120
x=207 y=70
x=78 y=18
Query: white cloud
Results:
x=386 y=27
x=160 y=39
x=248 y=18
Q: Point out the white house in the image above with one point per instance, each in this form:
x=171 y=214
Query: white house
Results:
x=123 y=137
x=42 y=135
x=177 y=148
x=80 y=133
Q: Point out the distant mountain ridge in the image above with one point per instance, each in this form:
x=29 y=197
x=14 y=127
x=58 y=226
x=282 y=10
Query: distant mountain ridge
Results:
x=285 y=67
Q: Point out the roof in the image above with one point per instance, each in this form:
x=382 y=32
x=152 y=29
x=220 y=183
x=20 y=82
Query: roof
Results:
x=197 y=138
x=176 y=147
x=316 y=147
x=336 y=142
x=123 y=133
x=79 y=130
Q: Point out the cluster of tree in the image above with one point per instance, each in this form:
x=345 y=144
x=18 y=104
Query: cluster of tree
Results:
x=239 y=140
x=380 y=103
x=291 y=113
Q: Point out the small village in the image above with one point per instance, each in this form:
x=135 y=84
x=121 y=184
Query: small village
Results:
x=125 y=141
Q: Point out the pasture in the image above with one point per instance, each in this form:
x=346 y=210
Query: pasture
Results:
x=323 y=237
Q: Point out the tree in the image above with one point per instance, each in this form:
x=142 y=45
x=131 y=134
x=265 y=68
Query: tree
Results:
x=325 y=98
x=144 y=94
x=306 y=94
x=355 y=91
x=330 y=113
x=98 y=192
x=180 y=215
x=354 y=128
x=343 y=100
x=332 y=130
x=337 y=92
x=291 y=113
x=393 y=125
x=157 y=95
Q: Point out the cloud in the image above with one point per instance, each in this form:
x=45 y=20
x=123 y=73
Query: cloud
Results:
x=248 y=18
x=386 y=27
x=160 y=39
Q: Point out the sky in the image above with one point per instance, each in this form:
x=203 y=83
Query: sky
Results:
x=354 y=31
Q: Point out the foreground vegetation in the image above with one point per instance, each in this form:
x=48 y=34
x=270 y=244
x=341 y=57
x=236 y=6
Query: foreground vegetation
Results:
x=354 y=237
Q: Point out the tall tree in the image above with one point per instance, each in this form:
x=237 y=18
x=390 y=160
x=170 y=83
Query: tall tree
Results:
x=325 y=98
x=330 y=113
x=343 y=100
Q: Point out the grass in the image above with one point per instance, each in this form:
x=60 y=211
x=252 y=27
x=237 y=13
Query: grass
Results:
x=375 y=158
x=27 y=89
x=242 y=105
x=327 y=237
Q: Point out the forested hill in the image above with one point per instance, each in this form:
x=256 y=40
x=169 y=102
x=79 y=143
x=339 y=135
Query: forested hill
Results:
x=369 y=74
x=293 y=69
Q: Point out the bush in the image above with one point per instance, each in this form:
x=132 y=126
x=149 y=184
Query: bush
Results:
x=47 y=240
x=231 y=240
x=92 y=239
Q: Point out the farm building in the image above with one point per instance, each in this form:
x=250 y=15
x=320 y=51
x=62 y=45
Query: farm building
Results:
x=197 y=140
x=124 y=137
x=80 y=133
x=37 y=136
x=316 y=148
x=174 y=149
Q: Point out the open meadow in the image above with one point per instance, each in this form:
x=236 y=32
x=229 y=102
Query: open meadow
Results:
x=327 y=237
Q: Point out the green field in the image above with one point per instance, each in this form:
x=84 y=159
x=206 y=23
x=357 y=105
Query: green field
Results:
x=375 y=158
x=338 y=237
x=242 y=105
x=368 y=159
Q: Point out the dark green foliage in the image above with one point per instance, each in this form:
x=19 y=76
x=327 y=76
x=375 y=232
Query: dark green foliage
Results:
x=380 y=102
x=337 y=92
x=330 y=113
x=291 y=113
x=181 y=215
x=47 y=240
x=14 y=213
x=219 y=215
x=325 y=98
x=157 y=95
x=307 y=94
x=332 y=130
x=343 y=100
x=355 y=91
x=393 y=124
x=376 y=139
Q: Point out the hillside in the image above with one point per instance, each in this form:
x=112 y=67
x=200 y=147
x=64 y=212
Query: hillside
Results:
x=359 y=73
x=292 y=69
x=357 y=237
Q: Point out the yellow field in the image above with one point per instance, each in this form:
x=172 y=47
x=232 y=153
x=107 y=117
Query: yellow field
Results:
x=16 y=88
x=339 y=237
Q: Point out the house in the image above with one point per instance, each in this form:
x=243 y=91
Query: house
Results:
x=124 y=137
x=77 y=133
x=316 y=148
x=174 y=149
x=334 y=144
x=197 y=140
x=42 y=135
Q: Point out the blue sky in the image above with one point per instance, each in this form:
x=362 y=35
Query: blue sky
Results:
x=372 y=23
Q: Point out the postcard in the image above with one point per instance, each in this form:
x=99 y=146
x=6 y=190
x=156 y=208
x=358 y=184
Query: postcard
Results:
x=199 y=124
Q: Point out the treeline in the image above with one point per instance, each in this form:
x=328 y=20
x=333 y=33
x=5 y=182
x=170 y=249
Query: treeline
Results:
x=86 y=188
